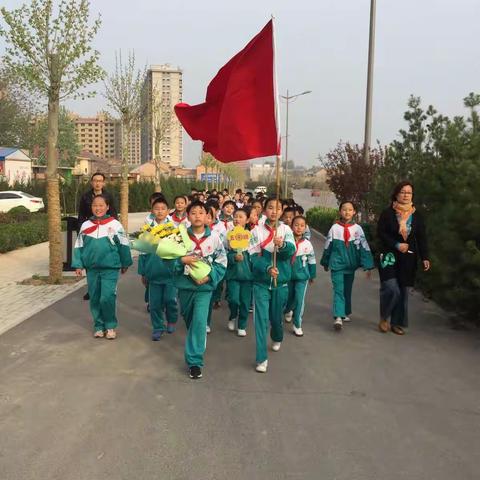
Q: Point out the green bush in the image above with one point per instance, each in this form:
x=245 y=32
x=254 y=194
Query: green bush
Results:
x=15 y=235
x=321 y=218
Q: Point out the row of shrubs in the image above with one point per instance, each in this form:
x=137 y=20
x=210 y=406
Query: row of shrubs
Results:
x=322 y=218
x=20 y=228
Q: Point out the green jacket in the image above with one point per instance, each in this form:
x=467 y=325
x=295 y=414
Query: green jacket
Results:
x=210 y=250
x=346 y=256
x=261 y=252
x=102 y=243
x=303 y=262
x=241 y=271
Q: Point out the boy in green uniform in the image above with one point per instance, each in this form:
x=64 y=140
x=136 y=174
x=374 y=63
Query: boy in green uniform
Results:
x=102 y=249
x=157 y=274
x=270 y=284
x=239 y=281
x=195 y=295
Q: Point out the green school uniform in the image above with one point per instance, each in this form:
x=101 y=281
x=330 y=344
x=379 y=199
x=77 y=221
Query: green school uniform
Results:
x=102 y=248
x=303 y=269
x=239 y=287
x=195 y=299
x=346 y=250
x=269 y=300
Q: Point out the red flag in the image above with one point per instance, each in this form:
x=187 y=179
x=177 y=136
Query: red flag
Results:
x=238 y=120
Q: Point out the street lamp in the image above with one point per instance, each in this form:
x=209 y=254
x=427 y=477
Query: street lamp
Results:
x=289 y=98
x=368 y=106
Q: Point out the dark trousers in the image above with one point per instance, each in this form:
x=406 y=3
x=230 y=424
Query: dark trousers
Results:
x=394 y=302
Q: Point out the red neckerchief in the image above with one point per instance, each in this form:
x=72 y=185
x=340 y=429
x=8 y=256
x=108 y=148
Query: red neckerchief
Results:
x=294 y=256
x=346 y=231
x=225 y=222
x=198 y=242
x=178 y=219
x=271 y=233
x=96 y=223
x=251 y=225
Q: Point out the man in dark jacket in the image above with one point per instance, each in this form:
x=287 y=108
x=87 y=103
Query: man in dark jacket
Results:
x=85 y=206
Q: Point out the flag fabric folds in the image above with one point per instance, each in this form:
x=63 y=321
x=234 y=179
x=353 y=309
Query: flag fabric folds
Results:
x=237 y=121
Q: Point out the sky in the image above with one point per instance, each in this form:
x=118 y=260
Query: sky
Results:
x=428 y=48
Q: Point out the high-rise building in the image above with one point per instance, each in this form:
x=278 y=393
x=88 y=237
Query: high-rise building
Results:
x=161 y=132
x=102 y=136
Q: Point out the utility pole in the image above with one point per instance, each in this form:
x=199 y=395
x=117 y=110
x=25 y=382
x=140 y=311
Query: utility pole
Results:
x=368 y=106
x=288 y=98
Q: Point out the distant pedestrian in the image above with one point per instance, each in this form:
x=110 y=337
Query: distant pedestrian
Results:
x=401 y=231
x=102 y=249
x=346 y=250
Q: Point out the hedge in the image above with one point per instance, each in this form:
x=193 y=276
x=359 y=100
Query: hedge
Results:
x=321 y=218
x=16 y=234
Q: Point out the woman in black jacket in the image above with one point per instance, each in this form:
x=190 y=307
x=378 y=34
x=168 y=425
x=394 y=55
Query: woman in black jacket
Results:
x=401 y=231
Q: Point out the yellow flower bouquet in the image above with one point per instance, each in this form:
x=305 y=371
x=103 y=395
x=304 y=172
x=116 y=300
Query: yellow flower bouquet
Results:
x=165 y=240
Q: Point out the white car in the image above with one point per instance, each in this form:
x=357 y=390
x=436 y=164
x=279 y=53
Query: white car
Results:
x=260 y=189
x=11 y=199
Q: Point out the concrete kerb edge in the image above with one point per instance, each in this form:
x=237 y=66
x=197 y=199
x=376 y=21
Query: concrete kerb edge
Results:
x=321 y=235
x=21 y=319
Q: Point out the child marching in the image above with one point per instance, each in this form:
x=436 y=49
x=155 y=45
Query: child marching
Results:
x=346 y=250
x=195 y=287
x=179 y=215
x=270 y=287
x=103 y=250
x=157 y=274
x=239 y=278
x=303 y=272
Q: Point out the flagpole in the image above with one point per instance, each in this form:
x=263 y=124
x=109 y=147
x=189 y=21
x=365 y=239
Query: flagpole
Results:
x=277 y=121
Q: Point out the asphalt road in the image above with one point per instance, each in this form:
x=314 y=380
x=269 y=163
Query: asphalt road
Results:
x=355 y=405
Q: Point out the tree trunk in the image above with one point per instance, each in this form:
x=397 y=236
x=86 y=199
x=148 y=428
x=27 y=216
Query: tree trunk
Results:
x=206 y=177
x=53 y=193
x=124 y=181
x=158 y=176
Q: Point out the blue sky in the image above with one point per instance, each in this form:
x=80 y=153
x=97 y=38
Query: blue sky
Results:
x=428 y=48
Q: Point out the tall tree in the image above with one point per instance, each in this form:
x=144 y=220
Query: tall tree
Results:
x=123 y=92
x=52 y=53
x=67 y=145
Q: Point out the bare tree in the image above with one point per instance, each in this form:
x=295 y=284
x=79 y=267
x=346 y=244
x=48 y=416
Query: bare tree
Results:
x=54 y=56
x=123 y=92
x=164 y=126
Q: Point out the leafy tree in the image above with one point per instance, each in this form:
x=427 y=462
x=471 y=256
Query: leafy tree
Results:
x=67 y=144
x=347 y=175
x=441 y=157
x=123 y=92
x=54 y=56
x=17 y=108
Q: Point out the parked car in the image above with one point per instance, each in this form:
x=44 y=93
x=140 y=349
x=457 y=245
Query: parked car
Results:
x=260 y=189
x=315 y=193
x=11 y=199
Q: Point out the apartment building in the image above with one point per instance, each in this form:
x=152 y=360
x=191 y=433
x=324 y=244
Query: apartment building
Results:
x=161 y=133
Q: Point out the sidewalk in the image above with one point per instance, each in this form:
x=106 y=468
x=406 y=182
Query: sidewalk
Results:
x=19 y=302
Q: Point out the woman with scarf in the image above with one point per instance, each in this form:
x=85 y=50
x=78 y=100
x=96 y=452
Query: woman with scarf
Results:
x=401 y=231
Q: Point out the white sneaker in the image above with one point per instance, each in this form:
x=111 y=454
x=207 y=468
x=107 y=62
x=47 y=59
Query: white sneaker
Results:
x=208 y=329
x=276 y=346
x=298 y=331
x=289 y=316
x=231 y=325
x=262 y=367
x=338 y=323
x=346 y=319
x=241 y=332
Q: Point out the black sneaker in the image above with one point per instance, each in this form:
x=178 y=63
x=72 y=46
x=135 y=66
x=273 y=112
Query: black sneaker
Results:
x=195 y=372
x=86 y=296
